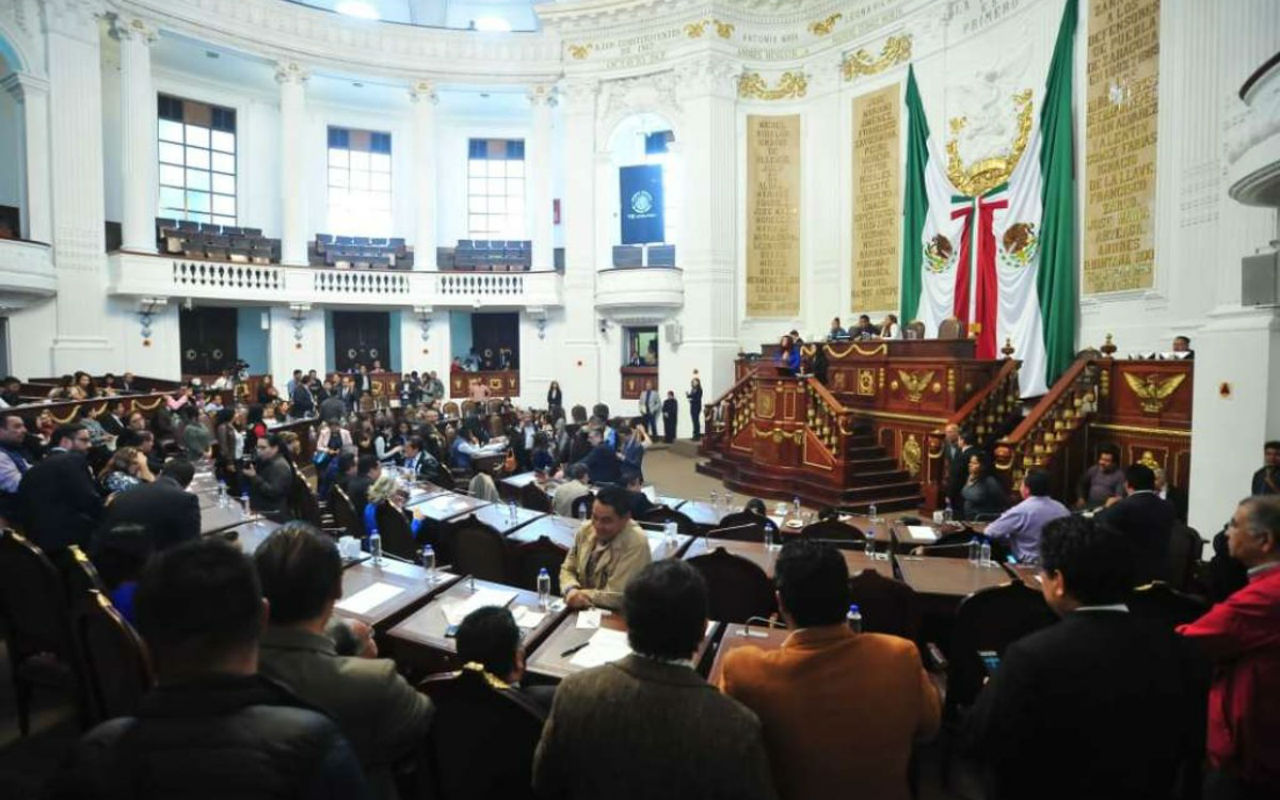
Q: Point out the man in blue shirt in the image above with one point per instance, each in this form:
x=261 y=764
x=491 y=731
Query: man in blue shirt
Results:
x=1022 y=524
x=602 y=461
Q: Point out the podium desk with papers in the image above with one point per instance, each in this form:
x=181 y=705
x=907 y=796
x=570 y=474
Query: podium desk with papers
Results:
x=380 y=595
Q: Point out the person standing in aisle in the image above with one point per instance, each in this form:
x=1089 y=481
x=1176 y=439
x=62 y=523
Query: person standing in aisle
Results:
x=695 y=406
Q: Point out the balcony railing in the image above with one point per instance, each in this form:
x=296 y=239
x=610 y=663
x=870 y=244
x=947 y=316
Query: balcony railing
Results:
x=26 y=272
x=640 y=295
x=134 y=274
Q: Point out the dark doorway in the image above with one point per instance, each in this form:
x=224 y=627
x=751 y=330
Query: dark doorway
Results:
x=208 y=339
x=361 y=337
x=494 y=333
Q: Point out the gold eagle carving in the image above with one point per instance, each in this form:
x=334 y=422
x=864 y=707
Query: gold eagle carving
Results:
x=1153 y=390
x=915 y=384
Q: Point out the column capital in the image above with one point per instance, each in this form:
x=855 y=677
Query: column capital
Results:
x=542 y=94
x=423 y=90
x=712 y=75
x=21 y=85
x=133 y=29
x=291 y=72
x=581 y=91
x=77 y=19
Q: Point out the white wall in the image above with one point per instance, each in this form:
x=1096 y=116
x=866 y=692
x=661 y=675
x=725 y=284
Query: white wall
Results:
x=10 y=151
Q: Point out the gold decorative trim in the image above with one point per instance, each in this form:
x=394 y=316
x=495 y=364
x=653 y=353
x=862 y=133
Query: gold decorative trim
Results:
x=1105 y=426
x=579 y=51
x=791 y=85
x=694 y=30
x=900 y=417
x=1153 y=389
x=825 y=26
x=911 y=455
x=916 y=384
x=723 y=29
x=778 y=435
x=986 y=174
x=853 y=348
x=896 y=50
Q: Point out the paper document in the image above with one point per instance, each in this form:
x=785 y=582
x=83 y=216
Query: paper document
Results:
x=922 y=533
x=605 y=645
x=588 y=618
x=369 y=598
x=528 y=618
x=455 y=612
x=777 y=520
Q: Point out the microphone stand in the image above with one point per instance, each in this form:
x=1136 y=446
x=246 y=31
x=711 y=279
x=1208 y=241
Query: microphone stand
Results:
x=746 y=627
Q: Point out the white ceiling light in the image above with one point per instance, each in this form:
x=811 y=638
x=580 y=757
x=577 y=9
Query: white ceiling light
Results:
x=357 y=8
x=492 y=25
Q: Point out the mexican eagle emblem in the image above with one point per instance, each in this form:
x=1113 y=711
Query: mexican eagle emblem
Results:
x=939 y=254
x=1019 y=244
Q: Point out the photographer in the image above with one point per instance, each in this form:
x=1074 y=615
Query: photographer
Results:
x=270 y=479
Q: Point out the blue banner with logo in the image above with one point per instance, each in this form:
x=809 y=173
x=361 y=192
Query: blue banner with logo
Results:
x=641 y=204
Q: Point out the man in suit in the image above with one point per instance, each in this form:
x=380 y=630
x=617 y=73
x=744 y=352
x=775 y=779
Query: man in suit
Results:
x=608 y=551
x=648 y=725
x=1267 y=479
x=1242 y=637
x=826 y=684
x=602 y=460
x=670 y=411
x=169 y=513
x=1182 y=344
x=14 y=464
x=418 y=461
x=270 y=479
x=959 y=448
x=650 y=405
x=113 y=422
x=302 y=402
x=368 y=470
x=489 y=638
x=570 y=490
x=381 y=715
x=1171 y=494
x=58 y=497
x=1102 y=704
x=1146 y=520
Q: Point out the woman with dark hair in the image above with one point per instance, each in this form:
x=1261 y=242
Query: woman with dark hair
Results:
x=983 y=494
x=555 y=398
x=126 y=470
x=788 y=355
x=231 y=441
x=695 y=406
x=65 y=390
x=267 y=391
x=109 y=387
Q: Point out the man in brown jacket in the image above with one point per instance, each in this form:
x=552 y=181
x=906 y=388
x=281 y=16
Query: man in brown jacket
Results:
x=607 y=552
x=649 y=726
x=840 y=709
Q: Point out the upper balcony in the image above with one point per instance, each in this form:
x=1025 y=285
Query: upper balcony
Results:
x=639 y=295
x=140 y=275
x=26 y=273
x=1253 y=141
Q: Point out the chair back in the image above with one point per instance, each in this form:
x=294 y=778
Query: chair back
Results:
x=1162 y=603
x=534 y=556
x=990 y=619
x=738 y=588
x=838 y=534
x=581 y=507
x=116 y=665
x=450 y=409
x=444 y=477
x=345 y=513
x=745 y=518
x=916 y=328
x=662 y=515
x=81 y=577
x=887 y=605
x=1185 y=549
x=476 y=549
x=750 y=532
x=951 y=328
x=533 y=498
x=303 y=504
x=950 y=545
x=33 y=600
x=396 y=532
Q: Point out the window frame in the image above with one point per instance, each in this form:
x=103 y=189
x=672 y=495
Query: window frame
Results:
x=191 y=161
x=360 y=171
x=496 y=204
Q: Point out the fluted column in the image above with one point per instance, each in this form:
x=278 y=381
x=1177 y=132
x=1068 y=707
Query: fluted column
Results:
x=538 y=177
x=32 y=93
x=579 y=379
x=423 y=95
x=138 y=170
x=293 y=191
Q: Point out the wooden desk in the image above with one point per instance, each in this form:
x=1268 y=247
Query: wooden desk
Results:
x=423 y=491
x=499 y=518
x=446 y=506
x=410 y=577
x=1028 y=574
x=949 y=577
x=548 y=661
x=764 y=558
x=215 y=518
x=560 y=530
x=419 y=641
x=760 y=636
x=248 y=535
x=703 y=514
x=661 y=547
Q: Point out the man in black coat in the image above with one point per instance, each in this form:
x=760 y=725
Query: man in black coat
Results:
x=1102 y=704
x=368 y=470
x=58 y=498
x=602 y=461
x=1146 y=520
x=170 y=514
x=958 y=451
x=670 y=410
x=270 y=479
x=302 y=401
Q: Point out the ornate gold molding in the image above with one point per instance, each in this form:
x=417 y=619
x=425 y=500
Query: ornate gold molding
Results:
x=825 y=26
x=791 y=85
x=694 y=30
x=896 y=50
x=916 y=384
x=1138 y=429
x=986 y=174
x=1153 y=389
x=911 y=455
x=879 y=350
x=579 y=51
x=778 y=435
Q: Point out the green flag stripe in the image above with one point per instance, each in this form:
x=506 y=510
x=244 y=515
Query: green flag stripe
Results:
x=915 y=203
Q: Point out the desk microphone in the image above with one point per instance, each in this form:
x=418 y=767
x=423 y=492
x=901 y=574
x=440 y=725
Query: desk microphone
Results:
x=746 y=627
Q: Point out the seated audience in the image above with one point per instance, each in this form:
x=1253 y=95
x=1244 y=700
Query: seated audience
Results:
x=381 y=715
x=1241 y=635
x=570 y=490
x=126 y=470
x=10 y=392
x=607 y=552
x=1171 y=494
x=983 y=495
x=648 y=725
x=213 y=727
x=419 y=462
x=168 y=513
x=1267 y=479
x=544 y=455
x=1106 y=702
x=1182 y=344
x=1146 y=520
x=826 y=684
x=1022 y=524
x=368 y=470
x=601 y=461
x=14 y=463
x=1103 y=480
x=58 y=499
x=837 y=331
x=386 y=491
x=640 y=502
x=482 y=487
x=120 y=553
x=270 y=478
x=864 y=329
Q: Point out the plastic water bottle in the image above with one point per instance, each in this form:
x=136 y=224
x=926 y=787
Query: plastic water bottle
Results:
x=222 y=494
x=669 y=532
x=544 y=588
x=244 y=501
x=375 y=546
x=975 y=551
x=511 y=511
x=715 y=501
x=871 y=512
x=871 y=539
x=986 y=554
x=768 y=536
x=428 y=560
x=947 y=514
x=854 y=618
x=795 y=506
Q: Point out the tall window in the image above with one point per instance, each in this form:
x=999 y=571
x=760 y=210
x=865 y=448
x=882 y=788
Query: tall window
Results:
x=495 y=189
x=359 y=182
x=197 y=161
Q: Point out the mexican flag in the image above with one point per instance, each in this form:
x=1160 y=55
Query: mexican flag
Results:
x=1002 y=261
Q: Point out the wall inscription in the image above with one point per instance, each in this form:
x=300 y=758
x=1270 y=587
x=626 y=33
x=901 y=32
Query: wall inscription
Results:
x=876 y=205
x=773 y=216
x=1120 y=145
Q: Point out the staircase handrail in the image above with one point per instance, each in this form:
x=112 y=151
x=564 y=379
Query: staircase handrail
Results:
x=1046 y=404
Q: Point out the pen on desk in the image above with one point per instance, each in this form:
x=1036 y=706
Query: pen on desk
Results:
x=574 y=649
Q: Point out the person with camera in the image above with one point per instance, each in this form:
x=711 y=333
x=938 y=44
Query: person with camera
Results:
x=269 y=477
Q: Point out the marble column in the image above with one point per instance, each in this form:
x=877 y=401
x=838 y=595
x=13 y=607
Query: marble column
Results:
x=579 y=376
x=32 y=93
x=138 y=167
x=538 y=176
x=293 y=179
x=423 y=95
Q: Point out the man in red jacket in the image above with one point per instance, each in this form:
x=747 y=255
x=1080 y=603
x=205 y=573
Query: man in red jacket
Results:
x=1242 y=636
